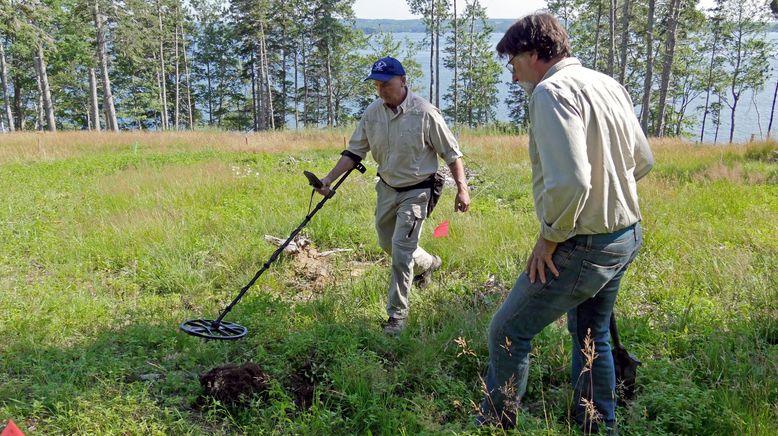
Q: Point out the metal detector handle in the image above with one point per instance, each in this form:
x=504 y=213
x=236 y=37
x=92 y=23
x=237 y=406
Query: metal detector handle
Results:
x=357 y=166
x=313 y=180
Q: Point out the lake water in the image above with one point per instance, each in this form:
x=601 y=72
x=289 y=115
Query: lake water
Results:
x=752 y=116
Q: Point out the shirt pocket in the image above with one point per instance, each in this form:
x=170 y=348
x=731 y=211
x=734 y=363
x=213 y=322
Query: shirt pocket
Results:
x=410 y=136
x=376 y=139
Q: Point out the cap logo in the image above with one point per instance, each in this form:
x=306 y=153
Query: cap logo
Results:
x=379 y=66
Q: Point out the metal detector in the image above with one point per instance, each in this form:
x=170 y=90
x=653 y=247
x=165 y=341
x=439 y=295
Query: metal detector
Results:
x=223 y=330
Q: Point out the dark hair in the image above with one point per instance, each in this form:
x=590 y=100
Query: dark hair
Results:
x=540 y=32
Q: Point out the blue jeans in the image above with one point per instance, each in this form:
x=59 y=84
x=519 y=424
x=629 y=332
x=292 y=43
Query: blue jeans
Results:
x=590 y=271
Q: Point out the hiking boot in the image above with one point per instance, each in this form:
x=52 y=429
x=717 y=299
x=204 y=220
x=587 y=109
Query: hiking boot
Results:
x=423 y=280
x=394 y=326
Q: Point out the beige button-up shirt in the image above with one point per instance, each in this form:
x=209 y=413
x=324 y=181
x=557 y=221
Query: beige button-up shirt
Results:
x=406 y=144
x=587 y=151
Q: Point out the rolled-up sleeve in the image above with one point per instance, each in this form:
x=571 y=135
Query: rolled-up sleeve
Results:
x=358 y=144
x=644 y=159
x=440 y=137
x=559 y=134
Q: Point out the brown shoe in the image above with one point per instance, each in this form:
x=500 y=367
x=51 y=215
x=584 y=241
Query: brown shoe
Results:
x=394 y=326
x=423 y=280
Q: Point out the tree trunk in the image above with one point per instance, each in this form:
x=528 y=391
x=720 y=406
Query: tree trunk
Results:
x=162 y=70
x=330 y=106
x=709 y=85
x=176 y=105
x=210 y=93
x=39 y=105
x=296 y=94
x=259 y=83
x=305 y=84
x=284 y=90
x=18 y=106
x=732 y=120
x=48 y=107
x=253 y=78
x=254 y=111
x=4 y=81
x=111 y=122
x=456 y=67
x=189 y=119
x=597 y=34
x=220 y=100
x=611 y=38
x=437 y=59
x=94 y=109
x=6 y=97
x=432 y=50
x=624 y=41
x=645 y=108
x=772 y=110
x=266 y=74
x=718 y=124
x=667 y=67
x=159 y=93
x=468 y=87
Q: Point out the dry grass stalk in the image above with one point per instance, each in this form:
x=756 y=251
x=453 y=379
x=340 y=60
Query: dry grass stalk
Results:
x=464 y=347
x=505 y=418
x=592 y=416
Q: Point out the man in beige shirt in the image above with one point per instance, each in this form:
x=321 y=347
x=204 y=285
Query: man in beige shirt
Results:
x=587 y=152
x=405 y=134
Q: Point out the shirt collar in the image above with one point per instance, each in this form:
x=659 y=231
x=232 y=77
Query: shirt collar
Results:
x=566 y=62
x=402 y=107
x=408 y=97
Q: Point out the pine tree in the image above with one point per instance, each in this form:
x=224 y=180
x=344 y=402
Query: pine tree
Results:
x=479 y=70
x=746 y=51
x=518 y=106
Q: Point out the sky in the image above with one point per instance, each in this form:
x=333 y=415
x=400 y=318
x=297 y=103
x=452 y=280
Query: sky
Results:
x=398 y=9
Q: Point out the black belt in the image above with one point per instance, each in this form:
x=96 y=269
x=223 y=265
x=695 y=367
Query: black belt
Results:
x=428 y=183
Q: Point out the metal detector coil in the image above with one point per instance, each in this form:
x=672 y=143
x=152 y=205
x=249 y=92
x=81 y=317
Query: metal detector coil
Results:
x=210 y=329
x=223 y=330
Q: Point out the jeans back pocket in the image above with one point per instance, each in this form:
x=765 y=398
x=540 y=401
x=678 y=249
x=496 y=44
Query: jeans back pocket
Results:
x=593 y=277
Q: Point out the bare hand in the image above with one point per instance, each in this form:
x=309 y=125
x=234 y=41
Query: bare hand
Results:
x=325 y=189
x=462 y=202
x=540 y=259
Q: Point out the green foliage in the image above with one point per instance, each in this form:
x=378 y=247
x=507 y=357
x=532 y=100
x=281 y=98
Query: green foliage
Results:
x=479 y=71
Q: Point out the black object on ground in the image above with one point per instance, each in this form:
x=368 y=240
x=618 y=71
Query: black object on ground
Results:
x=626 y=366
x=233 y=384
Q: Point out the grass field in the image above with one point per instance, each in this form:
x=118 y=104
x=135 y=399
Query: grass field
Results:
x=109 y=241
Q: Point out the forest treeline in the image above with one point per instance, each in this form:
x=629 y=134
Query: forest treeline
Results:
x=269 y=64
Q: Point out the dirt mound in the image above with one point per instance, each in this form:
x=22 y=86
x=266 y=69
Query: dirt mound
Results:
x=234 y=384
x=302 y=388
x=313 y=270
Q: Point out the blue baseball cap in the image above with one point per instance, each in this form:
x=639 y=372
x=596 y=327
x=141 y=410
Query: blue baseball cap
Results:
x=385 y=69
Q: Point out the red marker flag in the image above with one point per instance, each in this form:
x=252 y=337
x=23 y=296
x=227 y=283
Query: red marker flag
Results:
x=11 y=429
x=441 y=230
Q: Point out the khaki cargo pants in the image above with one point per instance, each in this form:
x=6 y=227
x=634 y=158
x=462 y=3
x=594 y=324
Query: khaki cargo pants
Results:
x=398 y=220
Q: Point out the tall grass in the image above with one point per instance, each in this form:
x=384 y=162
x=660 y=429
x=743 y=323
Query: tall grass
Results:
x=110 y=240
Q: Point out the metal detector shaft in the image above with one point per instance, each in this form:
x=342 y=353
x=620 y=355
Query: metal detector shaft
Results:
x=280 y=249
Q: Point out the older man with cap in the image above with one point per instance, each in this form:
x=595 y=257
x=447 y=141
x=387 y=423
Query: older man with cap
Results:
x=405 y=135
